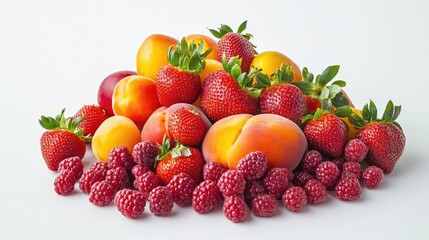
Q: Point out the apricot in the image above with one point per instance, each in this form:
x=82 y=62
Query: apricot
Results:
x=208 y=43
x=270 y=61
x=135 y=97
x=352 y=131
x=114 y=132
x=232 y=138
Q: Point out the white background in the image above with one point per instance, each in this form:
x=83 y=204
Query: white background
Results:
x=54 y=54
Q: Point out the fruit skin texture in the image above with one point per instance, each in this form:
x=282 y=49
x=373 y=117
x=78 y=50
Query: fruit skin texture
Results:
x=135 y=97
x=139 y=170
x=152 y=54
x=160 y=201
x=372 y=177
x=270 y=61
x=233 y=44
x=232 y=183
x=120 y=157
x=100 y=167
x=348 y=189
x=147 y=182
x=327 y=134
x=208 y=43
x=264 y=205
x=206 y=197
x=94 y=116
x=355 y=150
x=316 y=191
x=105 y=91
x=253 y=189
x=253 y=166
x=117 y=177
x=130 y=203
x=327 y=173
x=186 y=126
x=311 y=160
x=102 y=193
x=276 y=181
x=64 y=183
x=89 y=178
x=353 y=167
x=301 y=178
x=235 y=209
x=182 y=186
x=144 y=154
x=294 y=198
x=73 y=164
x=213 y=171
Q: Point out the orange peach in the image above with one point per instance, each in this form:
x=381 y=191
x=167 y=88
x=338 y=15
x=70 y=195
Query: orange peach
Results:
x=135 y=97
x=268 y=62
x=208 y=43
x=232 y=138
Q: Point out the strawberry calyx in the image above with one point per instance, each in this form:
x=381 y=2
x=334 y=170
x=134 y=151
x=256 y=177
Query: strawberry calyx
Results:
x=224 y=29
x=370 y=112
x=188 y=57
x=341 y=112
x=178 y=150
x=283 y=75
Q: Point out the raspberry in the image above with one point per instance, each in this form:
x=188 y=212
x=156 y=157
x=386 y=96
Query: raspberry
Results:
x=301 y=178
x=264 y=205
x=160 y=201
x=101 y=167
x=235 y=209
x=311 y=160
x=181 y=186
x=348 y=174
x=339 y=162
x=372 y=177
x=89 y=178
x=102 y=193
x=144 y=153
x=118 y=177
x=353 y=167
x=213 y=171
x=120 y=157
x=74 y=164
x=206 y=197
x=276 y=181
x=327 y=173
x=148 y=181
x=232 y=183
x=294 y=198
x=64 y=182
x=316 y=191
x=253 y=165
x=130 y=203
x=355 y=150
x=253 y=189
x=348 y=189
x=139 y=170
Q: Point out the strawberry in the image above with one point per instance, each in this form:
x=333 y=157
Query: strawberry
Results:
x=235 y=44
x=383 y=137
x=180 y=159
x=186 y=126
x=62 y=140
x=228 y=92
x=179 y=82
x=94 y=116
x=280 y=97
x=326 y=132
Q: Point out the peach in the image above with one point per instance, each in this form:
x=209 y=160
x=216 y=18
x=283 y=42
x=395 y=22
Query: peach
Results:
x=232 y=138
x=114 y=132
x=208 y=43
x=156 y=126
x=135 y=97
x=269 y=61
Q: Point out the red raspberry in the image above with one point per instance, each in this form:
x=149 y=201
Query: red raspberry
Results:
x=118 y=177
x=213 y=171
x=348 y=174
x=74 y=164
x=139 y=170
x=339 y=162
x=160 y=201
x=253 y=189
x=101 y=167
x=235 y=209
x=294 y=198
x=327 y=173
x=206 y=197
x=372 y=177
x=301 y=178
x=264 y=205
x=130 y=203
x=102 y=193
x=353 y=167
x=144 y=153
x=89 y=178
x=355 y=150
x=148 y=181
x=276 y=181
x=316 y=191
x=311 y=160
x=348 y=189
x=120 y=157
x=232 y=183
x=253 y=165
x=64 y=182
x=182 y=186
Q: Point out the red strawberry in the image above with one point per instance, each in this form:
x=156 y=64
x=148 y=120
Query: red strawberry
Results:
x=186 y=126
x=180 y=159
x=179 y=82
x=384 y=137
x=235 y=44
x=62 y=140
x=228 y=92
x=93 y=115
x=326 y=133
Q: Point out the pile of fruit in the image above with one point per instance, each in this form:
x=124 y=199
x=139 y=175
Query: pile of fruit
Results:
x=206 y=123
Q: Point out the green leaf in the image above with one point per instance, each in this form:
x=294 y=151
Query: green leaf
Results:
x=366 y=114
x=324 y=94
x=373 y=110
x=307 y=118
x=397 y=124
x=263 y=80
x=226 y=28
x=235 y=71
x=304 y=73
x=242 y=27
x=319 y=112
x=356 y=120
x=333 y=90
x=328 y=74
x=215 y=33
x=388 y=112
x=186 y=152
x=183 y=45
x=340 y=83
x=397 y=112
x=326 y=105
x=307 y=88
x=339 y=100
x=343 y=111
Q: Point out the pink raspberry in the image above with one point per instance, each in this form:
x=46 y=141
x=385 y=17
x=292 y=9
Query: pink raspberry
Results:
x=74 y=164
x=206 y=197
x=100 y=167
x=327 y=173
x=213 y=171
x=130 y=203
x=182 y=186
x=160 y=201
x=348 y=189
x=235 y=209
x=311 y=160
x=264 y=205
x=276 y=181
x=353 y=167
x=64 y=182
x=102 y=193
x=118 y=177
x=301 y=178
x=355 y=150
x=339 y=162
x=148 y=181
x=144 y=153
x=139 y=170
x=316 y=191
x=372 y=177
x=294 y=198
x=348 y=174
x=253 y=189
x=232 y=183
x=253 y=165
x=120 y=157
x=89 y=178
